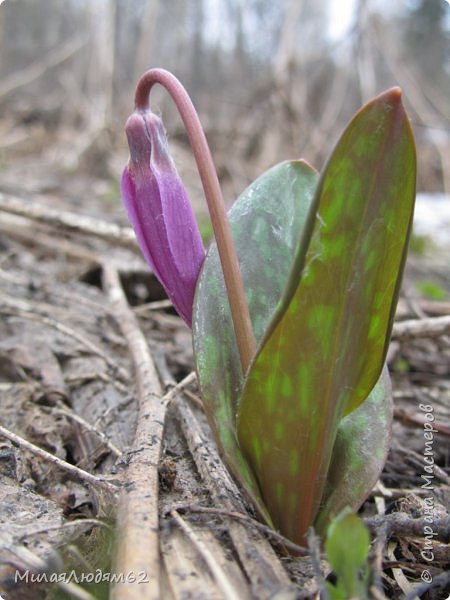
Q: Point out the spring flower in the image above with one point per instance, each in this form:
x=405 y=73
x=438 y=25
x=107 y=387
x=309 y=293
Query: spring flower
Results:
x=160 y=212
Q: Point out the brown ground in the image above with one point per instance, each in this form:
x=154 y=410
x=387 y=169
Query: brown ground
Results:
x=68 y=386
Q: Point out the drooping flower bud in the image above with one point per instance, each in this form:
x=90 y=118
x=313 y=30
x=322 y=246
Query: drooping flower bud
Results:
x=160 y=212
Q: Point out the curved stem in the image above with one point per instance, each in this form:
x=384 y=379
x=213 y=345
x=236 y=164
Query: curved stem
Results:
x=213 y=193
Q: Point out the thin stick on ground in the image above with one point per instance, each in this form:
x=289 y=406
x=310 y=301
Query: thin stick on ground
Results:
x=420 y=328
x=75 y=472
x=137 y=549
x=402 y=525
x=28 y=560
x=264 y=570
x=439 y=582
x=14 y=306
x=68 y=220
x=29 y=235
x=216 y=570
x=152 y=306
x=419 y=420
x=265 y=529
x=88 y=427
x=179 y=387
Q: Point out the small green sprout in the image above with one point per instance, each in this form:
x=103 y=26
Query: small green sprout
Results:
x=347 y=548
x=431 y=290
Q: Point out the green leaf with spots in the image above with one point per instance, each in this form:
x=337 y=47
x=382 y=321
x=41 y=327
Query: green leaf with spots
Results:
x=359 y=454
x=217 y=358
x=324 y=349
x=266 y=222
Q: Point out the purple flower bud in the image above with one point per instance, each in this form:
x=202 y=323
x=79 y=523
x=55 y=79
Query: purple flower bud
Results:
x=160 y=212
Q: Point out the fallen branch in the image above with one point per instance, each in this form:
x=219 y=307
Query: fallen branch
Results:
x=75 y=472
x=70 y=221
x=265 y=529
x=419 y=420
x=400 y=578
x=26 y=310
x=440 y=581
x=88 y=427
x=402 y=525
x=179 y=387
x=262 y=566
x=417 y=461
x=57 y=245
x=26 y=559
x=408 y=308
x=151 y=306
x=216 y=570
x=137 y=549
x=419 y=328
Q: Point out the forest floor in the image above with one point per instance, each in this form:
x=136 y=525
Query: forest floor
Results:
x=88 y=341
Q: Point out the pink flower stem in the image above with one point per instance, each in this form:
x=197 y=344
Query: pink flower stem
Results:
x=214 y=198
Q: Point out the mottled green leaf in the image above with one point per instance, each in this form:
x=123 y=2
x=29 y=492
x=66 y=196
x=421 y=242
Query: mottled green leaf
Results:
x=359 y=454
x=266 y=220
x=324 y=350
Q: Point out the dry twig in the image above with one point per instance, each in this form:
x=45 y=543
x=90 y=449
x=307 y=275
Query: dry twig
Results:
x=31 y=237
x=440 y=581
x=397 y=572
x=179 y=387
x=418 y=328
x=400 y=524
x=88 y=427
x=419 y=420
x=26 y=310
x=77 y=473
x=263 y=568
x=28 y=560
x=151 y=306
x=265 y=529
x=222 y=581
x=68 y=220
x=137 y=522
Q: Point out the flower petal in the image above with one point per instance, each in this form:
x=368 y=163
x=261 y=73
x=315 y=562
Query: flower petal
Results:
x=160 y=212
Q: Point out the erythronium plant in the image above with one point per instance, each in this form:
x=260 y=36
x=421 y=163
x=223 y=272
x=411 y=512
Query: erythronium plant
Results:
x=293 y=305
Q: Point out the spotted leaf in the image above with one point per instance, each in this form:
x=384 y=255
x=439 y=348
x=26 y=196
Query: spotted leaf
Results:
x=359 y=454
x=324 y=349
x=266 y=222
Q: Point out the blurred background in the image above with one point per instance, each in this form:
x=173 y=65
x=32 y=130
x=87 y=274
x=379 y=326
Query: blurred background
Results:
x=271 y=80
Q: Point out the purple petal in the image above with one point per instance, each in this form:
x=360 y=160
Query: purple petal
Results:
x=160 y=212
